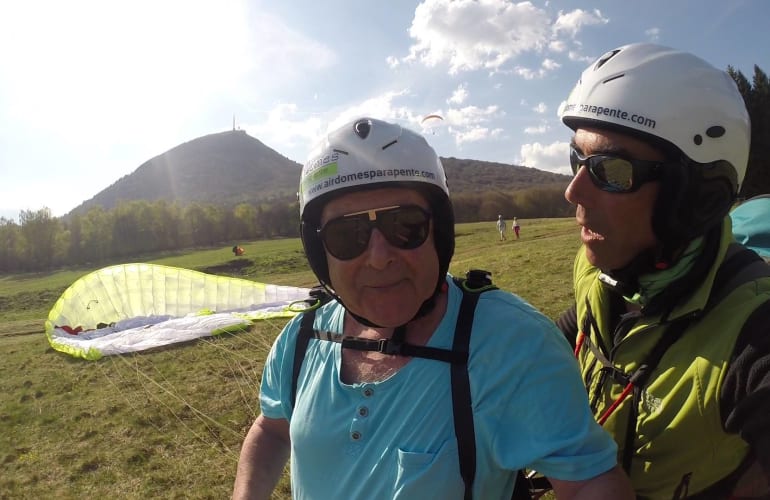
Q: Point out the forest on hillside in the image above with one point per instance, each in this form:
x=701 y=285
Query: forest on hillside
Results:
x=42 y=242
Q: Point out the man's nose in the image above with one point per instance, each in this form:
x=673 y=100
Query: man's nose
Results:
x=380 y=251
x=580 y=187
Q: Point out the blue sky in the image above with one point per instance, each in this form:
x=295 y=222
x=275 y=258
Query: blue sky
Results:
x=91 y=89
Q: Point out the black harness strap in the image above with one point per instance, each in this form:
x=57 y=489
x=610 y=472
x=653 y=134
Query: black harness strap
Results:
x=318 y=297
x=461 y=393
x=305 y=332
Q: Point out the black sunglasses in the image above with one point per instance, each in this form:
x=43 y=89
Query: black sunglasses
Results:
x=614 y=174
x=405 y=227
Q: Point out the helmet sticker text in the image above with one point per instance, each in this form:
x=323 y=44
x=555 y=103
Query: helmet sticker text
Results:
x=321 y=172
x=610 y=112
x=390 y=173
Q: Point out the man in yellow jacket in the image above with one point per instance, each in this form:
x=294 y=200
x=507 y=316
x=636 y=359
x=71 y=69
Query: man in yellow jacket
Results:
x=670 y=317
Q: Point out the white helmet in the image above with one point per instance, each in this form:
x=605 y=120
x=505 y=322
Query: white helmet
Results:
x=688 y=109
x=369 y=154
x=667 y=94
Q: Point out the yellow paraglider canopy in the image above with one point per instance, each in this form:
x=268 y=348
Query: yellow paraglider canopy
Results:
x=133 y=307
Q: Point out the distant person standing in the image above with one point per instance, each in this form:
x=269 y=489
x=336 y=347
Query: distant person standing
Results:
x=516 y=227
x=501 y=227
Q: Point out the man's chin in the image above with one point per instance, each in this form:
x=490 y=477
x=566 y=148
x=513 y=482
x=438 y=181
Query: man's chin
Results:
x=595 y=258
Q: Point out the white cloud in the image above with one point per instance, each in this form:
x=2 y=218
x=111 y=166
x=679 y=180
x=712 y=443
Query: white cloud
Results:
x=294 y=132
x=577 y=56
x=557 y=46
x=287 y=130
x=472 y=123
x=547 y=66
x=535 y=130
x=471 y=115
x=653 y=34
x=471 y=35
x=550 y=65
x=571 y=23
x=459 y=95
x=474 y=134
x=382 y=107
x=541 y=108
x=552 y=157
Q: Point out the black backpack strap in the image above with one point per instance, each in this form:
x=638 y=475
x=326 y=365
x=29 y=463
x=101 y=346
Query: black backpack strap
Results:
x=461 y=393
x=740 y=265
x=303 y=338
x=318 y=297
x=475 y=283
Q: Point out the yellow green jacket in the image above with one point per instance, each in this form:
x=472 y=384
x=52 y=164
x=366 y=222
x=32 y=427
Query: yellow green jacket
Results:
x=680 y=444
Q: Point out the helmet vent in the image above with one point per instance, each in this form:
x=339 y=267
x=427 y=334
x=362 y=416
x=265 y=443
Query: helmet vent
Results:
x=386 y=146
x=606 y=57
x=608 y=80
x=698 y=139
x=715 y=131
x=362 y=128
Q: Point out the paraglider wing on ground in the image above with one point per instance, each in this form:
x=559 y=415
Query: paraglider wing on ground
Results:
x=134 y=307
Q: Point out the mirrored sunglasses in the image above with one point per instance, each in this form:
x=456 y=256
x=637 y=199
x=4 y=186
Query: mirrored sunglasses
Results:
x=614 y=174
x=405 y=227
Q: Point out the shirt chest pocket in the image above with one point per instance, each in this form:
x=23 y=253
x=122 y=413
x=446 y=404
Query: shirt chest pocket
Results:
x=429 y=475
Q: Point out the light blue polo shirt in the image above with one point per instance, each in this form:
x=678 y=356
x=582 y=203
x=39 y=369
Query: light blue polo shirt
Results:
x=395 y=438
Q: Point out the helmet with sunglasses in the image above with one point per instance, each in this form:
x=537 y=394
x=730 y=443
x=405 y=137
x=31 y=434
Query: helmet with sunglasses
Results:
x=369 y=154
x=686 y=108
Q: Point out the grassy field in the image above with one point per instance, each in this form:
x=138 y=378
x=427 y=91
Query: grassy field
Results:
x=169 y=423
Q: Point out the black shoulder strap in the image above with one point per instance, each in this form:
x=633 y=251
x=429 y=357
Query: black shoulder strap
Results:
x=303 y=337
x=318 y=297
x=476 y=282
x=740 y=265
x=461 y=392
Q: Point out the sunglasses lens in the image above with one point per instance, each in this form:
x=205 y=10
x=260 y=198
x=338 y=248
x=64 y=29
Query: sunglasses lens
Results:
x=615 y=174
x=611 y=174
x=346 y=237
x=404 y=227
x=575 y=161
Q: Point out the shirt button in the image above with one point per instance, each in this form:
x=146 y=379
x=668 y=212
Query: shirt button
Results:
x=355 y=435
x=363 y=411
x=368 y=392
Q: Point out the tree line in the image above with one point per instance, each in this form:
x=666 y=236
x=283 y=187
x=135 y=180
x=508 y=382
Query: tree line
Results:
x=756 y=95
x=132 y=229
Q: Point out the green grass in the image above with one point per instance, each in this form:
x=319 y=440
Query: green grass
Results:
x=169 y=423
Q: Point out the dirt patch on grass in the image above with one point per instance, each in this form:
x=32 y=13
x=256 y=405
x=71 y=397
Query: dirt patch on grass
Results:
x=22 y=327
x=230 y=268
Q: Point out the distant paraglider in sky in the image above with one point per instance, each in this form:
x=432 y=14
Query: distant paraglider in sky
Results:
x=431 y=123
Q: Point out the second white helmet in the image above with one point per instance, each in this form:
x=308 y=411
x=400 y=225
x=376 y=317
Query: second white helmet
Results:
x=666 y=95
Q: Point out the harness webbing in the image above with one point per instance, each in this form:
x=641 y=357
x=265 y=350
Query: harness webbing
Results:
x=476 y=283
x=462 y=408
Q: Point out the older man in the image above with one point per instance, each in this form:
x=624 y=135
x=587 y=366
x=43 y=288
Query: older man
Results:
x=373 y=412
